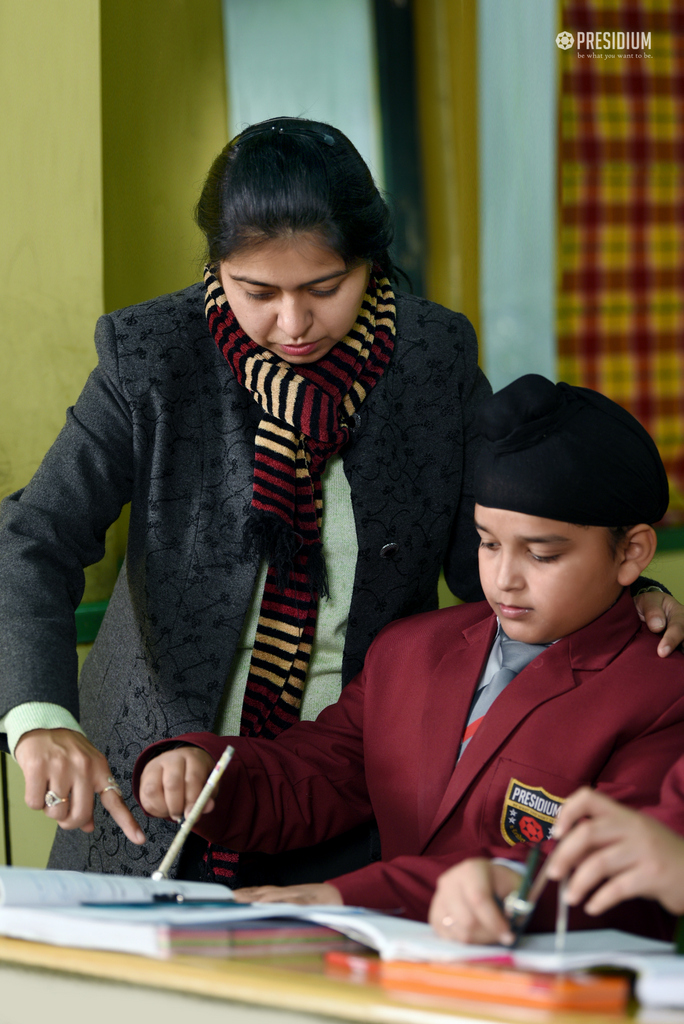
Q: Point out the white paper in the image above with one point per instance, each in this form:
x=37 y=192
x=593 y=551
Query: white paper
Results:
x=661 y=982
x=27 y=887
x=396 y=938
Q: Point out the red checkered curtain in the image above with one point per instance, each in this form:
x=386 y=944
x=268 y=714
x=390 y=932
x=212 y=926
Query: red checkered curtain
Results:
x=621 y=216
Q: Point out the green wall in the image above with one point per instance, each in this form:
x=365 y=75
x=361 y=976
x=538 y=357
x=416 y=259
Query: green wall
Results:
x=668 y=567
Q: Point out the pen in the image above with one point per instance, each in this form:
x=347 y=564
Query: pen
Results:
x=530 y=868
x=173 y=899
x=519 y=904
x=197 y=808
x=539 y=884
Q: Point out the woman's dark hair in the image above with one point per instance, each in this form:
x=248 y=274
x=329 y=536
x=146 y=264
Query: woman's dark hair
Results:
x=290 y=175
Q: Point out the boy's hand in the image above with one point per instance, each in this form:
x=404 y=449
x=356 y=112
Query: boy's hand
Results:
x=315 y=892
x=464 y=909
x=629 y=852
x=659 y=610
x=171 y=782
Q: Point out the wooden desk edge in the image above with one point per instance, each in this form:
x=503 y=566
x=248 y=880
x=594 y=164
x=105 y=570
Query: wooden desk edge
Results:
x=256 y=984
x=266 y=985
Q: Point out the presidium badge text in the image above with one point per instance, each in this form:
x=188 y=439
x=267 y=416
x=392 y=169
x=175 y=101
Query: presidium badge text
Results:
x=528 y=813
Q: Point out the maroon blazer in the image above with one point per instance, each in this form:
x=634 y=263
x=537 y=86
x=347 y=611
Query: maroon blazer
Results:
x=599 y=707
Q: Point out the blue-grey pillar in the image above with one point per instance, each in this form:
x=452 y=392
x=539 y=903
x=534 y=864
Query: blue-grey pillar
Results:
x=305 y=58
x=517 y=131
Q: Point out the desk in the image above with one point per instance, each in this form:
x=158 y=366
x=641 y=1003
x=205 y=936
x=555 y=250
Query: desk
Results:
x=69 y=986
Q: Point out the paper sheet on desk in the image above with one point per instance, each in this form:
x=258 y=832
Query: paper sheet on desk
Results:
x=592 y=948
x=661 y=982
x=31 y=887
x=399 y=939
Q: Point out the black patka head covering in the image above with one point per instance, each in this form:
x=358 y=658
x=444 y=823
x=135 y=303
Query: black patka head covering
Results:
x=567 y=453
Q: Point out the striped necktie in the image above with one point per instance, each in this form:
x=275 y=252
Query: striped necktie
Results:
x=515 y=656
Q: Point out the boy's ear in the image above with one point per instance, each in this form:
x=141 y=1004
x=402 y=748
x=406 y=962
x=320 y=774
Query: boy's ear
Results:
x=634 y=553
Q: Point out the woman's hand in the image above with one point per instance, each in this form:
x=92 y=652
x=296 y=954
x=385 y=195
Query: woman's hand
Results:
x=307 y=895
x=630 y=853
x=464 y=908
x=172 y=781
x=659 y=610
x=65 y=762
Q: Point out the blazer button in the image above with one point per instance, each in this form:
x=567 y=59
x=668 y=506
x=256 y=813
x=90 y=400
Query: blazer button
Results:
x=389 y=550
x=355 y=421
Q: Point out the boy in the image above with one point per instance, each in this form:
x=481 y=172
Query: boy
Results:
x=454 y=759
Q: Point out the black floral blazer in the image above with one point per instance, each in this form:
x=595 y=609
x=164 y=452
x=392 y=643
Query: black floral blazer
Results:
x=162 y=424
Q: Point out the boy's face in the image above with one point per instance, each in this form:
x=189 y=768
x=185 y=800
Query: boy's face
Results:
x=543 y=578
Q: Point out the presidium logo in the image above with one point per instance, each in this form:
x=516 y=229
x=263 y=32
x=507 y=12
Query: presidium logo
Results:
x=621 y=44
x=528 y=813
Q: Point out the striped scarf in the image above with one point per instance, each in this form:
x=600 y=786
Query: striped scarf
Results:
x=306 y=413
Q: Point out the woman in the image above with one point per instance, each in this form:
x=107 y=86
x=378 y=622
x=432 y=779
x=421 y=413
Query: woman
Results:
x=320 y=443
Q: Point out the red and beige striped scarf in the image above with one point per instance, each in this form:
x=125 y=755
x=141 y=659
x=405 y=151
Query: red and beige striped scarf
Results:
x=306 y=413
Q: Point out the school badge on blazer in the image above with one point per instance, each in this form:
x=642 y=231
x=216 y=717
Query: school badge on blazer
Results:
x=528 y=813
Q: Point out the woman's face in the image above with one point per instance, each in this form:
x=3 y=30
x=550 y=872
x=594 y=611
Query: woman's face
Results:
x=294 y=296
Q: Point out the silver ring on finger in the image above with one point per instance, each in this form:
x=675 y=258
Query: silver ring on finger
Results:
x=52 y=798
x=113 y=785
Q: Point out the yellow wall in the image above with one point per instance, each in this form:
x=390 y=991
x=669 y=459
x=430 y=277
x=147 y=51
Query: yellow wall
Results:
x=117 y=126
x=446 y=65
x=51 y=258
x=51 y=216
x=164 y=120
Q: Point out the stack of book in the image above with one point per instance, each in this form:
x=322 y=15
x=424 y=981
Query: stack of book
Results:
x=274 y=937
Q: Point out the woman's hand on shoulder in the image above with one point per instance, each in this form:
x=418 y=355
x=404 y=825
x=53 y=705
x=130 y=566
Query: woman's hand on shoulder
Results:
x=67 y=765
x=171 y=782
x=660 y=612
x=307 y=895
x=464 y=907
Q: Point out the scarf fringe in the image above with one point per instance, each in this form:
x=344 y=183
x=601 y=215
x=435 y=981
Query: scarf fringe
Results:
x=267 y=537
x=317 y=570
